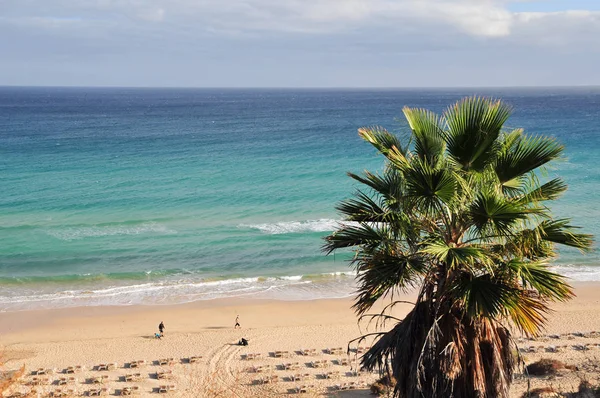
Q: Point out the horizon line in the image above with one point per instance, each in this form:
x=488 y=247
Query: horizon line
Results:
x=302 y=88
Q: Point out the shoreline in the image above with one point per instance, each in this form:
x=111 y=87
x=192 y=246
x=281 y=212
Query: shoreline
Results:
x=29 y=319
x=173 y=292
x=89 y=336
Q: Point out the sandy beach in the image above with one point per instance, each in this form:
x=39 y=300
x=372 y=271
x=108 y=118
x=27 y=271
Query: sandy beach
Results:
x=278 y=331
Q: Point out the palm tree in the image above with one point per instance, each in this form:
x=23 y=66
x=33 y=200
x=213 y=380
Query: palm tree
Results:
x=459 y=214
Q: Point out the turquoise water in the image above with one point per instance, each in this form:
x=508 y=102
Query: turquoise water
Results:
x=145 y=196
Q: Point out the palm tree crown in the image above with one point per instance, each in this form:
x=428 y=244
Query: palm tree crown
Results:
x=460 y=213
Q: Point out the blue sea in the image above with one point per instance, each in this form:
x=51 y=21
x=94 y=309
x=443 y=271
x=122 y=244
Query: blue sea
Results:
x=117 y=196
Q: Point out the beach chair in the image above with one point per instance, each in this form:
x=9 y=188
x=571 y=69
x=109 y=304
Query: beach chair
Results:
x=166 y=361
x=166 y=388
x=304 y=389
x=96 y=392
x=102 y=366
x=133 y=377
x=342 y=361
x=309 y=352
x=73 y=369
x=98 y=379
x=300 y=376
x=62 y=393
x=65 y=380
x=137 y=364
x=39 y=381
x=167 y=374
x=332 y=375
x=129 y=390
x=194 y=359
x=278 y=354
x=291 y=366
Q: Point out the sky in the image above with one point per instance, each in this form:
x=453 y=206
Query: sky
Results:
x=300 y=43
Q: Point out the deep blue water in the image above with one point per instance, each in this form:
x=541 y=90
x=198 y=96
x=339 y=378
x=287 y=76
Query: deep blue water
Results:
x=120 y=196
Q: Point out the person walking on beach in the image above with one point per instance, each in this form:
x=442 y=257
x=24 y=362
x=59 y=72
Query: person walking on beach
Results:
x=237 y=322
x=161 y=328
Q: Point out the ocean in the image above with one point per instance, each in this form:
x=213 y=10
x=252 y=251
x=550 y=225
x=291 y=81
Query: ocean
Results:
x=121 y=196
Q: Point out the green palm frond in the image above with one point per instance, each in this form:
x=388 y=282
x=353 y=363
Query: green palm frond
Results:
x=383 y=272
x=550 y=190
x=385 y=142
x=482 y=295
x=428 y=134
x=365 y=235
x=491 y=214
x=536 y=275
x=388 y=185
x=363 y=208
x=430 y=187
x=474 y=125
x=525 y=154
x=466 y=257
x=560 y=231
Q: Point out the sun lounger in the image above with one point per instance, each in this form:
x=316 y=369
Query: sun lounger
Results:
x=291 y=366
x=300 y=376
x=96 y=392
x=332 y=375
x=166 y=388
x=319 y=364
x=42 y=371
x=309 y=352
x=194 y=359
x=98 y=379
x=39 y=381
x=262 y=368
x=65 y=380
x=304 y=389
x=73 y=369
x=268 y=379
x=130 y=390
x=167 y=374
x=581 y=347
x=166 y=361
x=133 y=377
x=137 y=364
x=107 y=366
x=342 y=361
x=63 y=393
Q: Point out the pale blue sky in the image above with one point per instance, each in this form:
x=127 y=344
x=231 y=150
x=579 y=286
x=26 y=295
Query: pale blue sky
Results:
x=299 y=43
x=554 y=5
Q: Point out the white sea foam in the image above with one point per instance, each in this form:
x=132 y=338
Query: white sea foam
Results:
x=76 y=233
x=288 y=227
x=173 y=291
x=579 y=273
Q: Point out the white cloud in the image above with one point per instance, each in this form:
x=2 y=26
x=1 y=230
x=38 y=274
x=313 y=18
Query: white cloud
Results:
x=474 y=18
x=350 y=38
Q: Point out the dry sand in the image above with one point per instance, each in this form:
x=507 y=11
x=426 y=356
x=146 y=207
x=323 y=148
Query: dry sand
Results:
x=56 y=339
